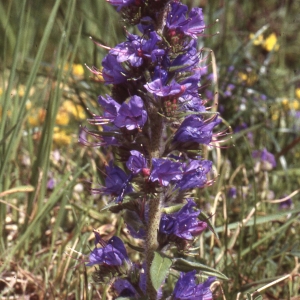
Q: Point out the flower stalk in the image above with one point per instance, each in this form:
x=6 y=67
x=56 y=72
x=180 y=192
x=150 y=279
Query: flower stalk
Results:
x=155 y=122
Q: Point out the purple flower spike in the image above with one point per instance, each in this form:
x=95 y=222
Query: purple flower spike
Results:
x=194 y=129
x=194 y=175
x=131 y=115
x=184 y=223
x=136 y=162
x=266 y=159
x=165 y=170
x=187 y=289
x=112 y=253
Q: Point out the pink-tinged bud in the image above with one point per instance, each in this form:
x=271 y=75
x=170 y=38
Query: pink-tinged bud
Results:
x=146 y=172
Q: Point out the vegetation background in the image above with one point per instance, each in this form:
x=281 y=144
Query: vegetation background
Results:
x=47 y=212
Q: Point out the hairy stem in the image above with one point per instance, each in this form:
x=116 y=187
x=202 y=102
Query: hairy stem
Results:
x=151 y=240
x=155 y=204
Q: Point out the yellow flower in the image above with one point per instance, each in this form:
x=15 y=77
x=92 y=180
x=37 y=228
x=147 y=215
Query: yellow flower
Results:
x=28 y=104
x=77 y=70
x=297 y=92
x=74 y=109
x=270 y=43
x=61 y=138
x=295 y=105
x=275 y=116
x=258 y=40
x=249 y=78
x=285 y=104
x=21 y=90
x=36 y=118
x=62 y=118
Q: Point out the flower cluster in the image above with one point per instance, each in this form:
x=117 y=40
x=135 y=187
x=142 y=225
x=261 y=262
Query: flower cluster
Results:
x=156 y=124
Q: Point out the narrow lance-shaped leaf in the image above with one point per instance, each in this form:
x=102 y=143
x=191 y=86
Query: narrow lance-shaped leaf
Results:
x=184 y=265
x=159 y=269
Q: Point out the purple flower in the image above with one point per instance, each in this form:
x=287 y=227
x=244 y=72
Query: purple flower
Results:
x=136 y=233
x=110 y=110
x=112 y=252
x=184 y=223
x=241 y=127
x=286 y=204
x=194 y=174
x=165 y=170
x=187 y=60
x=121 y=3
x=109 y=135
x=228 y=92
x=191 y=84
x=195 y=129
x=157 y=88
x=187 y=289
x=178 y=23
x=131 y=115
x=160 y=73
x=51 y=183
x=232 y=192
x=110 y=107
x=124 y=288
x=150 y=48
x=136 y=162
x=191 y=103
x=146 y=25
x=195 y=23
x=136 y=49
x=176 y=15
x=117 y=183
x=265 y=159
x=113 y=72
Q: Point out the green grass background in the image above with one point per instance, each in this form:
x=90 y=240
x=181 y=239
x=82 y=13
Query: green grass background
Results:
x=45 y=234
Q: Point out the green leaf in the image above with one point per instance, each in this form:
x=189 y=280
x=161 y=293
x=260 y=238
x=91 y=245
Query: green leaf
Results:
x=184 y=265
x=259 y=297
x=159 y=269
